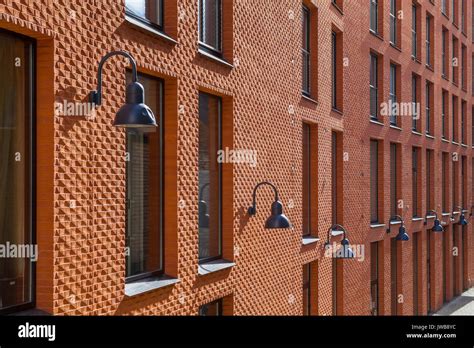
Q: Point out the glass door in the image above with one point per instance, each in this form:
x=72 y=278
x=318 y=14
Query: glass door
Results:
x=16 y=107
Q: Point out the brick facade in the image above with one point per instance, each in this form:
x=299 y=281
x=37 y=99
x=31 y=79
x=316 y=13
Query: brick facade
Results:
x=81 y=265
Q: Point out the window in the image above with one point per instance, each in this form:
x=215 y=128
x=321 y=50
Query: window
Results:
x=393 y=23
x=149 y=12
x=454 y=10
x=463 y=182
x=415 y=105
x=429 y=180
x=472 y=129
x=463 y=67
x=415 y=179
x=393 y=275
x=416 y=271
x=463 y=122
x=455 y=118
x=210 y=26
x=444 y=53
x=444 y=182
x=144 y=235
x=444 y=7
x=374 y=16
x=306 y=51
x=334 y=69
x=335 y=285
x=213 y=309
x=444 y=119
x=455 y=184
x=455 y=61
x=429 y=34
x=310 y=183
x=393 y=94
x=393 y=179
x=414 y=30
x=374 y=181
x=210 y=178
x=16 y=177
x=428 y=271
x=374 y=89
x=374 y=277
x=463 y=16
x=307 y=289
x=428 y=107
x=309 y=48
x=335 y=177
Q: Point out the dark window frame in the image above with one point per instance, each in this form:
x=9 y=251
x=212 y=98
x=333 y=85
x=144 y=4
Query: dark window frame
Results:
x=219 y=165
x=146 y=20
x=219 y=303
x=31 y=103
x=374 y=85
x=160 y=122
x=216 y=51
x=307 y=289
x=306 y=51
x=374 y=196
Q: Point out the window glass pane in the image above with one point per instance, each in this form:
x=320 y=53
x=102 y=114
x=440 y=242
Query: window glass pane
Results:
x=306 y=50
x=212 y=309
x=143 y=230
x=15 y=176
x=374 y=180
x=306 y=179
x=209 y=177
x=210 y=23
x=147 y=9
x=307 y=289
x=393 y=180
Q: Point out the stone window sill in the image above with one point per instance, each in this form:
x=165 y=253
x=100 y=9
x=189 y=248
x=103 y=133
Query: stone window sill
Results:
x=148 y=284
x=214 y=266
x=139 y=25
x=309 y=240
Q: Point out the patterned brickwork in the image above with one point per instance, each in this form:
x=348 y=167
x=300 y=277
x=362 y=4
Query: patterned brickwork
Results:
x=82 y=237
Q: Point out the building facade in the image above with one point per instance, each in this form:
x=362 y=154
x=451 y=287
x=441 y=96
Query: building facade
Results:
x=356 y=111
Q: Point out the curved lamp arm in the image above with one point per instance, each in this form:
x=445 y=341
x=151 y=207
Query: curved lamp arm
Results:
x=432 y=212
x=202 y=190
x=96 y=96
x=339 y=227
x=398 y=218
x=253 y=209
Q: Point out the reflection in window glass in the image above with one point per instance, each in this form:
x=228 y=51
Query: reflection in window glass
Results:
x=143 y=228
x=147 y=10
x=209 y=178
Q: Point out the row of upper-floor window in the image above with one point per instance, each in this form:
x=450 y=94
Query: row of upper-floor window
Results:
x=151 y=13
x=454 y=8
x=395 y=109
x=397 y=204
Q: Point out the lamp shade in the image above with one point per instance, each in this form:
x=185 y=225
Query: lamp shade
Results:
x=346 y=251
x=402 y=234
x=135 y=113
x=462 y=220
x=437 y=226
x=277 y=219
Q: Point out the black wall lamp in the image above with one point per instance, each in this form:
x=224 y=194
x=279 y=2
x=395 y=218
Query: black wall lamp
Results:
x=462 y=218
x=135 y=113
x=346 y=252
x=277 y=219
x=402 y=232
x=437 y=223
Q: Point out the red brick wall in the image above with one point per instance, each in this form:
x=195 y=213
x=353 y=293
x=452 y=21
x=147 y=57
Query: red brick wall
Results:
x=82 y=266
